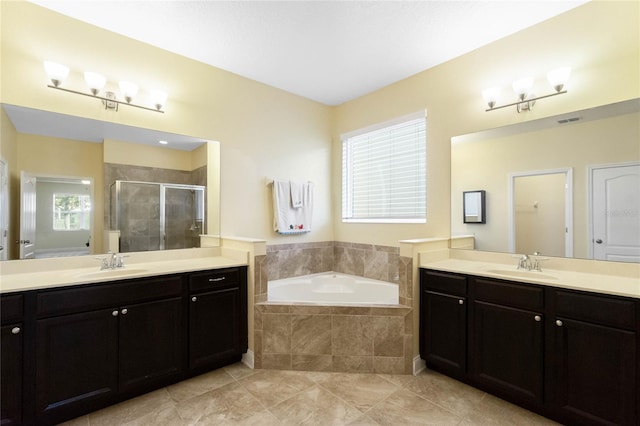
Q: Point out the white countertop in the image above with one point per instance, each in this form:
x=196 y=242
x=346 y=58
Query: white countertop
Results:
x=593 y=282
x=13 y=279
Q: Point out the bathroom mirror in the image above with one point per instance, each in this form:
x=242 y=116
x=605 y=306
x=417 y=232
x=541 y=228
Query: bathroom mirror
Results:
x=473 y=207
x=582 y=142
x=64 y=147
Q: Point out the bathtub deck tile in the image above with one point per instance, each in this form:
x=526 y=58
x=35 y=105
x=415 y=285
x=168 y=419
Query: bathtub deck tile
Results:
x=310 y=310
x=350 y=310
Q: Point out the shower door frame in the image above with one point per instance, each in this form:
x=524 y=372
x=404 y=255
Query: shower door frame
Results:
x=163 y=186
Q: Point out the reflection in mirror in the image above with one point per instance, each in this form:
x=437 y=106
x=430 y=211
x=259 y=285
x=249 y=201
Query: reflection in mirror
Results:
x=605 y=137
x=45 y=143
x=473 y=207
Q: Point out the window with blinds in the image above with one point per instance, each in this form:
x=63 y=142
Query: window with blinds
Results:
x=384 y=172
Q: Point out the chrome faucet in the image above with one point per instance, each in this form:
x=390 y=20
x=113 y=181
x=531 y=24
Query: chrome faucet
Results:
x=524 y=262
x=531 y=262
x=112 y=261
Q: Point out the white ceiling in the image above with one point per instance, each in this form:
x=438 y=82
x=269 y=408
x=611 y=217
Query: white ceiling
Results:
x=328 y=51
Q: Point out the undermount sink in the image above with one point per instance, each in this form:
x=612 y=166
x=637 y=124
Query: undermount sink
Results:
x=522 y=274
x=106 y=273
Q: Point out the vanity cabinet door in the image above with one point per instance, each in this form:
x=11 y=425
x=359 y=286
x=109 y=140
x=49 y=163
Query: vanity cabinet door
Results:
x=443 y=322
x=11 y=377
x=507 y=339
x=594 y=357
x=76 y=363
x=150 y=343
x=215 y=331
x=507 y=352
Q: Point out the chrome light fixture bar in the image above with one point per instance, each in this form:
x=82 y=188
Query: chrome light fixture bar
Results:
x=557 y=78
x=95 y=81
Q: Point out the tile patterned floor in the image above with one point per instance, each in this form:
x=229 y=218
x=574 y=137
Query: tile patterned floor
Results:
x=237 y=395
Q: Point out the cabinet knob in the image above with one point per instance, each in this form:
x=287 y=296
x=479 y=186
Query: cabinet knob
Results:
x=194 y=298
x=124 y=311
x=460 y=302
x=15 y=330
x=114 y=313
x=538 y=318
x=559 y=323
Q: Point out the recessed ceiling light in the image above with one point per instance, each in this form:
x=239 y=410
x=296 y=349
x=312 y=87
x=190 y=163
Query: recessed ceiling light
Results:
x=163 y=142
x=86 y=182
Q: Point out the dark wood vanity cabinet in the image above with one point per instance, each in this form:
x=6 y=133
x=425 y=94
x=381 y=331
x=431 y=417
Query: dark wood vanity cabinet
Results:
x=217 y=318
x=11 y=351
x=569 y=355
x=443 y=319
x=90 y=346
x=111 y=339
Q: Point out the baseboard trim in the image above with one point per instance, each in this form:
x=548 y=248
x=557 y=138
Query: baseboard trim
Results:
x=418 y=365
x=248 y=359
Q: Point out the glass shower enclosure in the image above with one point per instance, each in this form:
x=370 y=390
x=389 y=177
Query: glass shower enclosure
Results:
x=157 y=216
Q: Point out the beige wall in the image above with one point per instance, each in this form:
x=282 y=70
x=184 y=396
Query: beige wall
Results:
x=47 y=156
x=9 y=153
x=487 y=164
x=600 y=40
x=266 y=133
x=120 y=152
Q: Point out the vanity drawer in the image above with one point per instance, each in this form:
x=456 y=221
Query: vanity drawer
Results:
x=509 y=294
x=612 y=311
x=12 y=307
x=444 y=282
x=107 y=295
x=214 y=278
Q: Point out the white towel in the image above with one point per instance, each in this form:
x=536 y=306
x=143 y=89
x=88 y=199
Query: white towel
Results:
x=297 y=194
x=286 y=219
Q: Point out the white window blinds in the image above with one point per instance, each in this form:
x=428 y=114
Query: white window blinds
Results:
x=384 y=172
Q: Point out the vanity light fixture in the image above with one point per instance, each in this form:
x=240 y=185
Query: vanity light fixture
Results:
x=95 y=82
x=522 y=88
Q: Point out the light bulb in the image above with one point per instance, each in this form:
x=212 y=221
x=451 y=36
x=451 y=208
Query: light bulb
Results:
x=559 y=77
x=95 y=81
x=522 y=87
x=158 y=97
x=490 y=96
x=56 y=72
x=129 y=90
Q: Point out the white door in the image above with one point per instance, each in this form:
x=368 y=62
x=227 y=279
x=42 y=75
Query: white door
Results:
x=4 y=210
x=615 y=212
x=27 y=216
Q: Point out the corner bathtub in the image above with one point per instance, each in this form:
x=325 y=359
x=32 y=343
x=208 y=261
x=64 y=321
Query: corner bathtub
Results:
x=334 y=289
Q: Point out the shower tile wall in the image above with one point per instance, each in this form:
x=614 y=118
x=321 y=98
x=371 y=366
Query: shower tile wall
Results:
x=141 y=204
x=145 y=219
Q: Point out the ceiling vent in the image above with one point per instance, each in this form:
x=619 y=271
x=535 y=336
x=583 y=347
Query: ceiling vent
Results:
x=568 y=120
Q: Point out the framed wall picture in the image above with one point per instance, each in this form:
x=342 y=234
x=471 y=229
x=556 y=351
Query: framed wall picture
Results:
x=473 y=206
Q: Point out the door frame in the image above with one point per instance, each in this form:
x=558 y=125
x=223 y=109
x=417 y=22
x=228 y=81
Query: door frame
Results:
x=568 y=206
x=590 y=215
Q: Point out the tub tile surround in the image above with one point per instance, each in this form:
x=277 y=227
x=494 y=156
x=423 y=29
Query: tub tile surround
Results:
x=331 y=338
x=339 y=339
